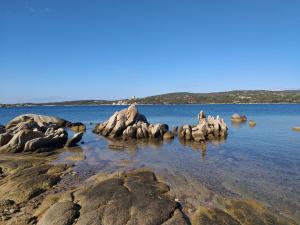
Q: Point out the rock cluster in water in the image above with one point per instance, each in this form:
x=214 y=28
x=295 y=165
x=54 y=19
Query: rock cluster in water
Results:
x=130 y=124
x=207 y=129
x=30 y=132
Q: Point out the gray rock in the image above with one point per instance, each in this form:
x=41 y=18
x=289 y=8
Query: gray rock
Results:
x=57 y=139
x=18 y=141
x=132 y=198
x=74 y=140
x=5 y=138
x=129 y=123
x=2 y=129
x=208 y=128
x=168 y=135
x=61 y=213
x=41 y=120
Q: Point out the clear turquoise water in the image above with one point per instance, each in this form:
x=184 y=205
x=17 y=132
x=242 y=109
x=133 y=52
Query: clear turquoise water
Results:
x=261 y=162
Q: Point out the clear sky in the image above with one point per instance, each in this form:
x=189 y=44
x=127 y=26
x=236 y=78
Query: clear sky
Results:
x=54 y=50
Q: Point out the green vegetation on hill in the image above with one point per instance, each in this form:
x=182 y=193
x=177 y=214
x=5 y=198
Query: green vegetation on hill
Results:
x=224 y=97
x=235 y=97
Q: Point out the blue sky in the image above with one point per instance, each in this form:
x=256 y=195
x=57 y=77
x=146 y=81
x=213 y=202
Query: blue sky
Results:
x=65 y=50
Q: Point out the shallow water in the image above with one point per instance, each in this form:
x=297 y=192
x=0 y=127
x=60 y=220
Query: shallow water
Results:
x=261 y=162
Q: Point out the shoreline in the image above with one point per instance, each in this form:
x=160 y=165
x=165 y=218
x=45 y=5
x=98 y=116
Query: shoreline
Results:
x=175 y=104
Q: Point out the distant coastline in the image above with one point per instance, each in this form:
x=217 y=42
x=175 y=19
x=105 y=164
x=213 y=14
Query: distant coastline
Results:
x=230 y=97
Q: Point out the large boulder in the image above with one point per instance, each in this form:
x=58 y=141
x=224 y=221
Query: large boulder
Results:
x=41 y=120
x=55 y=139
x=130 y=124
x=31 y=132
x=18 y=141
x=207 y=128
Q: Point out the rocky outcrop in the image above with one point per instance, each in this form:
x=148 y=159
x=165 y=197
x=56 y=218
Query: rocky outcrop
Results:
x=61 y=213
x=237 y=118
x=130 y=124
x=130 y=198
x=207 y=129
x=40 y=120
x=30 y=132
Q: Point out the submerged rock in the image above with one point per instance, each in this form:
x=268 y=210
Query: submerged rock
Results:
x=130 y=124
x=238 y=118
x=207 y=216
x=169 y=135
x=252 y=123
x=207 y=128
x=78 y=127
x=31 y=132
x=296 y=129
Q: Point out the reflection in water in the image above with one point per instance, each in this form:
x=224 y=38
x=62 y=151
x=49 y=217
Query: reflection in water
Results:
x=202 y=145
x=133 y=146
x=238 y=124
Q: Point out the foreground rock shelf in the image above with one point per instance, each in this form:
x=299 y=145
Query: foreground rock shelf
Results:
x=30 y=132
x=32 y=192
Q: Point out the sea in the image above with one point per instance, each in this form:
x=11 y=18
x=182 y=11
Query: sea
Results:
x=261 y=162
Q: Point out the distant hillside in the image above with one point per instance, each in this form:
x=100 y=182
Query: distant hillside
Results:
x=260 y=96
x=235 y=97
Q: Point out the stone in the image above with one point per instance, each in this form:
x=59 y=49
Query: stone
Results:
x=18 y=141
x=32 y=132
x=238 y=118
x=296 y=129
x=78 y=127
x=74 y=140
x=208 y=128
x=130 y=124
x=2 y=129
x=57 y=139
x=5 y=138
x=41 y=120
x=168 y=135
x=131 y=198
x=252 y=123
x=61 y=213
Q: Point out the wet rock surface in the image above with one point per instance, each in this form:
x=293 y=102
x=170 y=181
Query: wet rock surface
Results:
x=130 y=124
x=31 y=132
